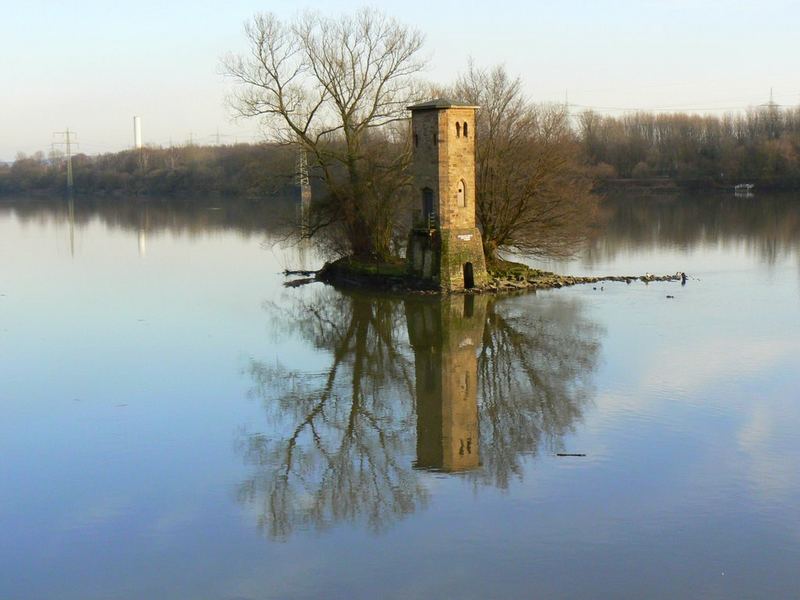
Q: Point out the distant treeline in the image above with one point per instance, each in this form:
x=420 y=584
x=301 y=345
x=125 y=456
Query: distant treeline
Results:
x=238 y=170
x=761 y=146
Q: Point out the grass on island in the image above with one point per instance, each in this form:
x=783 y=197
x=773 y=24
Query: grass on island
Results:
x=506 y=269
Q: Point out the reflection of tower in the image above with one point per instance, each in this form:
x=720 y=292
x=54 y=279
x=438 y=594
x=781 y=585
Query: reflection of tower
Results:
x=71 y=217
x=445 y=334
x=303 y=250
x=142 y=242
x=444 y=246
x=304 y=184
x=143 y=226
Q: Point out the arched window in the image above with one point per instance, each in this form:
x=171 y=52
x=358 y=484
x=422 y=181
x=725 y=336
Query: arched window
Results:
x=466 y=130
x=462 y=193
x=458 y=129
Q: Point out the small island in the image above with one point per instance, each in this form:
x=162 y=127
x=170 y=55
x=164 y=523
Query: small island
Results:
x=505 y=276
x=445 y=251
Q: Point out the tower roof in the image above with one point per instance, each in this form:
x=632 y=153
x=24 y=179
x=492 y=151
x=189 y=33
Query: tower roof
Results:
x=438 y=103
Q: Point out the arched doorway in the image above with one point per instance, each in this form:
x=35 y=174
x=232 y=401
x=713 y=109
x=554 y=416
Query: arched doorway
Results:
x=469 y=277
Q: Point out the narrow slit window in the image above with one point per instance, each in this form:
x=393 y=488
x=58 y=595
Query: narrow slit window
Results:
x=466 y=130
x=428 y=208
x=458 y=129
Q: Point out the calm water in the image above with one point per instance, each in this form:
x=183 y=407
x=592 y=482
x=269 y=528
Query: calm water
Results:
x=174 y=423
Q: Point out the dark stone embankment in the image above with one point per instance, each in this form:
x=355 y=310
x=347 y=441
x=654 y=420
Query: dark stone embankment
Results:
x=504 y=277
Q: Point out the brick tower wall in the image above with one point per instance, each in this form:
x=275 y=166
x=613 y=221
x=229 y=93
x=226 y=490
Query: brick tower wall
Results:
x=444 y=163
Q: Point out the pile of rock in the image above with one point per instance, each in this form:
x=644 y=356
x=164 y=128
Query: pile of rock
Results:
x=524 y=278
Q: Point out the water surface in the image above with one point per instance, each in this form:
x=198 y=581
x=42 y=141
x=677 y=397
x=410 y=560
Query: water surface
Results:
x=175 y=423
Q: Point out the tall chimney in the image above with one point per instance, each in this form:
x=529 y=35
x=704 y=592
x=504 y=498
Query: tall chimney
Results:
x=137 y=132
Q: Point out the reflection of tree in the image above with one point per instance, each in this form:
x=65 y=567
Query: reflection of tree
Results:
x=273 y=216
x=504 y=375
x=342 y=438
x=534 y=372
x=767 y=226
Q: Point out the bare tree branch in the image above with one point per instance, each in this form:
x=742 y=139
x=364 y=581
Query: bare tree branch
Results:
x=334 y=88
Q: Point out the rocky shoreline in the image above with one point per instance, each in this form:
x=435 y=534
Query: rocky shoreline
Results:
x=507 y=277
x=543 y=280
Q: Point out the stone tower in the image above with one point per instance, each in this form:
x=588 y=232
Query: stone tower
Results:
x=444 y=246
x=445 y=334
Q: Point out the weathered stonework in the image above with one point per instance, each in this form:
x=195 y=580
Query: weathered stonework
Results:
x=445 y=246
x=441 y=256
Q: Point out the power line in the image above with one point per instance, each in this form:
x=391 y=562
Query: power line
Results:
x=218 y=137
x=67 y=138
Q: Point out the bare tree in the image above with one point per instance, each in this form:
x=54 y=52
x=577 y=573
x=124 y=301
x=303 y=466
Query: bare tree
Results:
x=336 y=88
x=761 y=145
x=531 y=195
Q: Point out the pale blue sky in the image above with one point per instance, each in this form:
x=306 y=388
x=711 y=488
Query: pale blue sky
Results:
x=92 y=65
